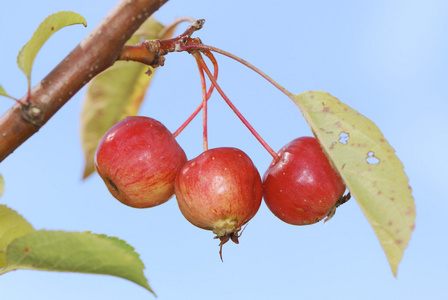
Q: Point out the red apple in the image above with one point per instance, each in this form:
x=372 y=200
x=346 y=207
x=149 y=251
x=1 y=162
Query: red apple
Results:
x=220 y=190
x=138 y=159
x=302 y=187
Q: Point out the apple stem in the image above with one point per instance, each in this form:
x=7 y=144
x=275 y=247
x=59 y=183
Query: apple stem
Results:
x=198 y=109
x=198 y=57
x=152 y=53
x=236 y=111
x=240 y=60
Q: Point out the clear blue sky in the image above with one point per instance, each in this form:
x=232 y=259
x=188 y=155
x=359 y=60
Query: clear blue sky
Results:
x=386 y=59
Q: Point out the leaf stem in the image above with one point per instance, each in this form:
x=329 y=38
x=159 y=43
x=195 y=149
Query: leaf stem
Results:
x=18 y=101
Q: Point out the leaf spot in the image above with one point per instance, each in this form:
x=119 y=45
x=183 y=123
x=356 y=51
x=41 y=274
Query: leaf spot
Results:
x=343 y=137
x=52 y=28
x=409 y=211
x=372 y=159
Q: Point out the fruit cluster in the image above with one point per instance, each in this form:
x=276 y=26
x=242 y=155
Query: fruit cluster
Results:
x=220 y=190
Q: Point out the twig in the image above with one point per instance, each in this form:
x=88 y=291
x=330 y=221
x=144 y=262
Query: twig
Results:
x=98 y=51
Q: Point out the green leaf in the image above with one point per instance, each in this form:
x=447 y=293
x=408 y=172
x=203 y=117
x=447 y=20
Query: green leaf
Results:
x=117 y=92
x=81 y=252
x=50 y=25
x=368 y=164
x=4 y=93
x=12 y=226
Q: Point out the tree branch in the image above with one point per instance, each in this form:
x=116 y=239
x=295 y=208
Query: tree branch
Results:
x=97 y=52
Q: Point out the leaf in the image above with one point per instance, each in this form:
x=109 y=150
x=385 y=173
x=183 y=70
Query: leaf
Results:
x=4 y=93
x=368 y=164
x=106 y=103
x=50 y=25
x=2 y=185
x=117 y=92
x=81 y=252
x=12 y=226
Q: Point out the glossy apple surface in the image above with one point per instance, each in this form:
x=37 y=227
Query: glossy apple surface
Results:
x=302 y=187
x=138 y=159
x=220 y=190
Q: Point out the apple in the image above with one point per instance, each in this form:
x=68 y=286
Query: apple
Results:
x=301 y=187
x=220 y=190
x=138 y=159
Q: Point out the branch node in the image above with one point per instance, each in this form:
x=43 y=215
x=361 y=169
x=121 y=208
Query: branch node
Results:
x=32 y=114
x=153 y=46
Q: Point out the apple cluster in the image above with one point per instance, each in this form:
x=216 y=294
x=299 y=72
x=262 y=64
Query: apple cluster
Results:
x=221 y=190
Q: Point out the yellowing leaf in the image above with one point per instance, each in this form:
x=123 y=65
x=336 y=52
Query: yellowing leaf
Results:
x=106 y=104
x=2 y=185
x=114 y=94
x=81 y=252
x=12 y=226
x=50 y=25
x=368 y=164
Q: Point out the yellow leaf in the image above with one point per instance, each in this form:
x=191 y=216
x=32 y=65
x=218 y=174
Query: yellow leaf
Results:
x=368 y=164
x=114 y=94
x=2 y=185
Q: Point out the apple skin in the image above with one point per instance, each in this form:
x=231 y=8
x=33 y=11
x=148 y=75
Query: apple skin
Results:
x=138 y=159
x=302 y=187
x=220 y=190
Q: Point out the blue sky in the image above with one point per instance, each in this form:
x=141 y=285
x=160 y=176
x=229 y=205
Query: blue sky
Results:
x=386 y=59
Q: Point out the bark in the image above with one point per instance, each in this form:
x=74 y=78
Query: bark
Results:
x=96 y=52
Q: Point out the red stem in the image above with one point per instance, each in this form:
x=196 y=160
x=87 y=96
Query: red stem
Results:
x=198 y=109
x=235 y=110
x=240 y=60
x=18 y=101
x=198 y=57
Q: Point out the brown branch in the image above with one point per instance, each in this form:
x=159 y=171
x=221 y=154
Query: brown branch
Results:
x=98 y=51
x=152 y=52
